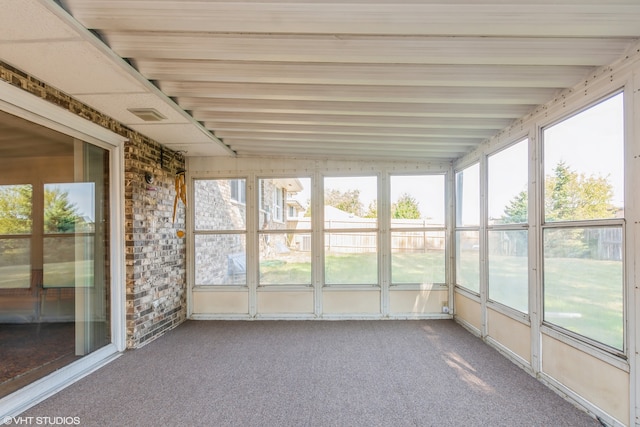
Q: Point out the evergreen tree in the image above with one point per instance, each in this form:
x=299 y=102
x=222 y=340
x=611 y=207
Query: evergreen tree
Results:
x=60 y=215
x=516 y=212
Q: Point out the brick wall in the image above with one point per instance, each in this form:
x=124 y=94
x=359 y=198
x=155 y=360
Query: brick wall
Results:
x=155 y=256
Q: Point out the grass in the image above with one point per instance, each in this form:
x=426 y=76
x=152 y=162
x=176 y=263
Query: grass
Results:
x=586 y=297
x=423 y=267
x=581 y=295
x=58 y=274
x=358 y=268
x=509 y=281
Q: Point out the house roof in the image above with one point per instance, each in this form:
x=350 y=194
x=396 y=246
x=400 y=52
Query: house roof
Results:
x=360 y=79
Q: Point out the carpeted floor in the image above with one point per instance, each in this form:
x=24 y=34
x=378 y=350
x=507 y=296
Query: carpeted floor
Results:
x=307 y=373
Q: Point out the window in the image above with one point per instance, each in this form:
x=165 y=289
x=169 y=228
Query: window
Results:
x=220 y=232
x=278 y=204
x=285 y=246
x=351 y=230
x=507 y=226
x=468 y=228
x=68 y=234
x=15 y=236
x=583 y=228
x=238 y=190
x=417 y=229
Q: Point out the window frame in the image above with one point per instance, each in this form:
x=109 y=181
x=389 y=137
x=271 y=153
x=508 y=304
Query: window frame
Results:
x=459 y=227
x=278 y=204
x=239 y=233
x=610 y=353
x=267 y=233
x=20 y=103
x=376 y=230
x=240 y=196
x=420 y=229
x=519 y=226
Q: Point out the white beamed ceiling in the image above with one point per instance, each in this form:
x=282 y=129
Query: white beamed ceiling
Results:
x=356 y=79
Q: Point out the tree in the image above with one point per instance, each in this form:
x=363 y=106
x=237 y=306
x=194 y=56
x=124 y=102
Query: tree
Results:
x=405 y=208
x=569 y=196
x=349 y=201
x=372 y=210
x=15 y=209
x=60 y=215
x=516 y=212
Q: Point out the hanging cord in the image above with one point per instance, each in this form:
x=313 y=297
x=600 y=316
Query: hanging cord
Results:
x=181 y=192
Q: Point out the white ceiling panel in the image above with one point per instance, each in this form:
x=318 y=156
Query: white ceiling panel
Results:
x=197 y=150
x=113 y=102
x=73 y=66
x=179 y=134
x=361 y=79
x=23 y=21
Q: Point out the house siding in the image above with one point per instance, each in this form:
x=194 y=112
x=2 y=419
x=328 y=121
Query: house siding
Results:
x=155 y=258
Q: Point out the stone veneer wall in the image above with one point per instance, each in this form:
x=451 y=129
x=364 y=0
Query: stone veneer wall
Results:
x=155 y=256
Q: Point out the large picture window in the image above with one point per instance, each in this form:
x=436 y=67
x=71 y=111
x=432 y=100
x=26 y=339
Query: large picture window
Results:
x=351 y=230
x=220 y=232
x=584 y=221
x=417 y=229
x=507 y=241
x=284 y=244
x=15 y=236
x=468 y=228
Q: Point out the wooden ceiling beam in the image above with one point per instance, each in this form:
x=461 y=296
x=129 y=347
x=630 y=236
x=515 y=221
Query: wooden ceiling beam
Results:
x=521 y=19
x=404 y=109
x=360 y=93
x=367 y=49
x=215 y=118
x=362 y=74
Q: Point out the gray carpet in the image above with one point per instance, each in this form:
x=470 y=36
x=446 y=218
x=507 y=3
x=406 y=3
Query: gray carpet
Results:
x=307 y=373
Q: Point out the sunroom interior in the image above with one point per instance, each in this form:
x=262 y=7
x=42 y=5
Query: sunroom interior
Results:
x=370 y=160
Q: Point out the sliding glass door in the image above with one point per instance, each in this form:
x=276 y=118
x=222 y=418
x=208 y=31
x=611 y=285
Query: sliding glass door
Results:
x=54 y=251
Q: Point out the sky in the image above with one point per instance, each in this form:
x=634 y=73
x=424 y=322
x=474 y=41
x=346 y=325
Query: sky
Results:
x=590 y=143
x=81 y=194
x=427 y=190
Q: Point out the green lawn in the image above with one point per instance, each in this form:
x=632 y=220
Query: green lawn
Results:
x=581 y=295
x=56 y=275
x=509 y=281
x=358 y=269
x=586 y=297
